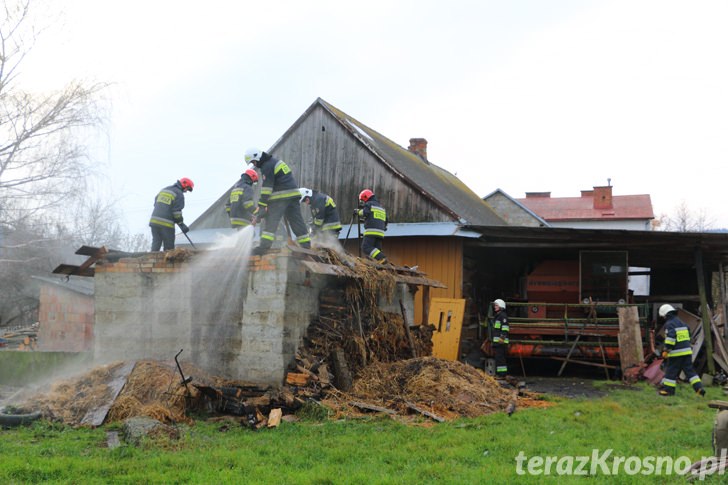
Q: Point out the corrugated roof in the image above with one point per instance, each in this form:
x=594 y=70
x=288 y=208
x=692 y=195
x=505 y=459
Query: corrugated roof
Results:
x=433 y=182
x=582 y=208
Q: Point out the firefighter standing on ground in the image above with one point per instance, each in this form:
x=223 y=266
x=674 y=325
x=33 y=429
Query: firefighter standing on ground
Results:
x=279 y=197
x=241 y=206
x=678 y=353
x=500 y=338
x=168 y=205
x=324 y=212
x=375 y=224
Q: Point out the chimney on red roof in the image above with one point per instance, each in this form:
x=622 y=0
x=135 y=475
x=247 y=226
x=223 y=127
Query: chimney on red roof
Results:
x=603 y=197
x=418 y=146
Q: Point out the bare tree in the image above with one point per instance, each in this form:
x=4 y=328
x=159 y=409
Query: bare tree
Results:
x=43 y=156
x=686 y=220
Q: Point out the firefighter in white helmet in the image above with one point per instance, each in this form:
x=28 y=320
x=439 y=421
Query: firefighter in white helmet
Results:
x=678 y=352
x=500 y=338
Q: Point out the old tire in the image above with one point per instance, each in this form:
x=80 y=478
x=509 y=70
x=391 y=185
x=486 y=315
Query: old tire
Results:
x=12 y=420
x=720 y=432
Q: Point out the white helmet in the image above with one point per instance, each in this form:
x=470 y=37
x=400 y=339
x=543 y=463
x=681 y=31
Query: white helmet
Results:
x=500 y=303
x=665 y=309
x=253 y=155
x=305 y=193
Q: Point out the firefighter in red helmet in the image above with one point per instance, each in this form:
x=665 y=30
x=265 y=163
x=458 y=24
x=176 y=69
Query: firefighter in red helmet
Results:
x=168 y=205
x=375 y=224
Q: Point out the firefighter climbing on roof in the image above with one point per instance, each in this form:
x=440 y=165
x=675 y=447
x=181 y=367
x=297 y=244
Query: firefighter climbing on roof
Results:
x=678 y=352
x=241 y=206
x=375 y=224
x=168 y=205
x=279 y=197
x=499 y=337
x=325 y=215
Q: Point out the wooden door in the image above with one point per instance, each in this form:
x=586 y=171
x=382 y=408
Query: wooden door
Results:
x=446 y=314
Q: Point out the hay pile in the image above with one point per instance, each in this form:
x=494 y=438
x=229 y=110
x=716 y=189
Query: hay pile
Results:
x=445 y=388
x=152 y=389
x=68 y=401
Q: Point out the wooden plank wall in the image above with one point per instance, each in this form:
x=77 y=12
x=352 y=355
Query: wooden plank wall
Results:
x=440 y=258
x=325 y=157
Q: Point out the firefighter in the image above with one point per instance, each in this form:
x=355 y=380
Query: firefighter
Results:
x=279 y=197
x=678 y=353
x=240 y=206
x=324 y=212
x=500 y=338
x=375 y=224
x=168 y=205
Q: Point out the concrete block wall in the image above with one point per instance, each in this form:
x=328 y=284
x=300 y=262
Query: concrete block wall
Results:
x=66 y=320
x=282 y=299
x=138 y=310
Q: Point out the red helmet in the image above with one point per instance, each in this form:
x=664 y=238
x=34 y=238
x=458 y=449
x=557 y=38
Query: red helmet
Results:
x=365 y=195
x=252 y=174
x=187 y=184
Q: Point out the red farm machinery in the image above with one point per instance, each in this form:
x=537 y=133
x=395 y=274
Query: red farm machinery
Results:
x=571 y=311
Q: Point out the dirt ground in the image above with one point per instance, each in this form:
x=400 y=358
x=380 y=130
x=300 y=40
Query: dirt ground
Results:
x=571 y=387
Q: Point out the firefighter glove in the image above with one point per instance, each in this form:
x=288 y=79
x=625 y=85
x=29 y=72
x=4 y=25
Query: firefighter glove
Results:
x=184 y=228
x=664 y=354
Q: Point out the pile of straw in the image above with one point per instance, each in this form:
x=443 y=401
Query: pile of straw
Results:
x=446 y=388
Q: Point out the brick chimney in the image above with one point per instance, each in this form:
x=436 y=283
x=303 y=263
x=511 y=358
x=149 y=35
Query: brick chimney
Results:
x=603 y=197
x=418 y=146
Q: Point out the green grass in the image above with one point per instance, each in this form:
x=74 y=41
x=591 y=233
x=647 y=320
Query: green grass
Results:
x=377 y=450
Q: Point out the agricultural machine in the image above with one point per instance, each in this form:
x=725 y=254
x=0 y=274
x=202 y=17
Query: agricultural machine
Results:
x=571 y=310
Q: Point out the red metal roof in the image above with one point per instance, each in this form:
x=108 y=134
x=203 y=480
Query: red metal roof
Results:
x=582 y=208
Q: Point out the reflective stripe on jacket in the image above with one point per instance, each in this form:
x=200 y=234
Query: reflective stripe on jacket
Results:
x=501 y=328
x=375 y=218
x=168 y=205
x=278 y=181
x=677 y=337
x=241 y=204
x=324 y=212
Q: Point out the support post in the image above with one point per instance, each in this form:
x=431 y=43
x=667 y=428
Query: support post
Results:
x=708 y=334
x=721 y=274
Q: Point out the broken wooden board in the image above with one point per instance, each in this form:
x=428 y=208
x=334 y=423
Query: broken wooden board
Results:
x=95 y=417
x=424 y=412
x=372 y=407
x=274 y=418
x=629 y=337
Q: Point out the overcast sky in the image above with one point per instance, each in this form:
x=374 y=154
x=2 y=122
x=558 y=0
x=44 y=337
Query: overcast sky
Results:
x=520 y=95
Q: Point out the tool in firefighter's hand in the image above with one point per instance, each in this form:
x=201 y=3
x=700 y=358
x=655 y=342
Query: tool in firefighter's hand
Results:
x=183 y=227
x=190 y=240
x=184 y=381
x=350 y=224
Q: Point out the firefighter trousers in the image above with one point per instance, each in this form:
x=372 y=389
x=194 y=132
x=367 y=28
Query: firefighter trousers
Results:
x=162 y=236
x=290 y=209
x=674 y=365
x=372 y=247
x=501 y=366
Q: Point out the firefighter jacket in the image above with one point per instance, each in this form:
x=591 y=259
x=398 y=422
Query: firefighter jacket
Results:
x=324 y=212
x=375 y=218
x=677 y=337
x=500 y=328
x=240 y=204
x=278 y=181
x=168 y=205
